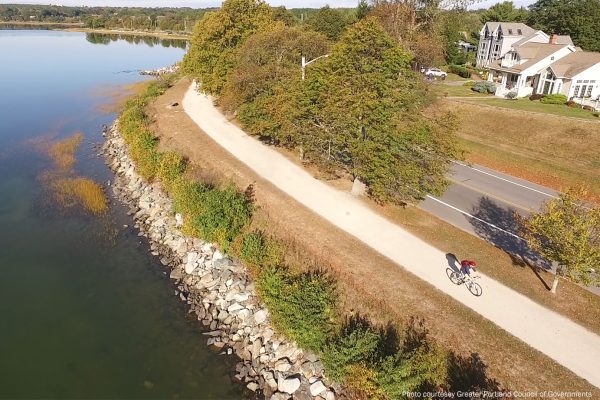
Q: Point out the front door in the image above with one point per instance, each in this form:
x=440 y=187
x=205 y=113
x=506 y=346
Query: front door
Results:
x=548 y=86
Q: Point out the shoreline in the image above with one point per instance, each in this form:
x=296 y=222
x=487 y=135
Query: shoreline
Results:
x=217 y=289
x=80 y=27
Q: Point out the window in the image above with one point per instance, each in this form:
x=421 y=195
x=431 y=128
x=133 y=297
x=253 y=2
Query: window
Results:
x=576 y=91
x=519 y=32
x=552 y=58
x=510 y=31
x=583 y=90
x=588 y=93
x=579 y=81
x=497 y=48
x=586 y=81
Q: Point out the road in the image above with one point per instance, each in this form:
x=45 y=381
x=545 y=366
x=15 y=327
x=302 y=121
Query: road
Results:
x=482 y=202
x=568 y=343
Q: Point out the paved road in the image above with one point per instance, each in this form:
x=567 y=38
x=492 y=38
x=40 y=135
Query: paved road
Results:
x=482 y=201
x=570 y=344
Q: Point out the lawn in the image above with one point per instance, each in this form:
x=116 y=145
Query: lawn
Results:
x=536 y=106
x=445 y=90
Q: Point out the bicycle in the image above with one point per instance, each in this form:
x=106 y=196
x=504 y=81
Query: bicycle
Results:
x=458 y=278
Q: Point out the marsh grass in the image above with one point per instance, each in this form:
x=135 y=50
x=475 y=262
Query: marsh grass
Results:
x=63 y=151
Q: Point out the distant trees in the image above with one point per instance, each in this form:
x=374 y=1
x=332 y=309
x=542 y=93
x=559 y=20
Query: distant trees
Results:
x=577 y=18
x=504 y=12
x=567 y=230
x=328 y=21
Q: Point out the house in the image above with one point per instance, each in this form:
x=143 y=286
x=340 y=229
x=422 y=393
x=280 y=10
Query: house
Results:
x=533 y=67
x=496 y=38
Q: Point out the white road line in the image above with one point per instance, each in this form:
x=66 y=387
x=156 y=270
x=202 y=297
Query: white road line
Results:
x=506 y=180
x=474 y=217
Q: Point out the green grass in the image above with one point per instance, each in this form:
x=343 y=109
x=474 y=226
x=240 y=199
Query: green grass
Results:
x=456 y=91
x=536 y=106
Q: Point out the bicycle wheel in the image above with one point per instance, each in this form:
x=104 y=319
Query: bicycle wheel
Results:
x=454 y=276
x=475 y=289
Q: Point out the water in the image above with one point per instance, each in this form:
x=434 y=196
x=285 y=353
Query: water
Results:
x=85 y=311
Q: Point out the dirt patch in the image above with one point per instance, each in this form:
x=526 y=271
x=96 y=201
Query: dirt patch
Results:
x=369 y=282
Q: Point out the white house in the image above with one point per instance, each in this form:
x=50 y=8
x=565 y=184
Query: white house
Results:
x=497 y=38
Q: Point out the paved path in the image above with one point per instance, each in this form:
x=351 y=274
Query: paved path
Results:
x=569 y=344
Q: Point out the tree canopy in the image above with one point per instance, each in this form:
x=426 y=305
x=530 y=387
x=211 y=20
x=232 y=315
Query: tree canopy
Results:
x=504 y=12
x=328 y=21
x=567 y=231
x=577 y=18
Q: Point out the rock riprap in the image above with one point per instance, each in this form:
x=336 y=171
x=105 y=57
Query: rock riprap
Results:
x=217 y=289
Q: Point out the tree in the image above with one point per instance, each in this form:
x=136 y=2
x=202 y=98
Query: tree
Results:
x=217 y=37
x=359 y=111
x=362 y=10
x=577 y=18
x=504 y=12
x=328 y=21
x=567 y=231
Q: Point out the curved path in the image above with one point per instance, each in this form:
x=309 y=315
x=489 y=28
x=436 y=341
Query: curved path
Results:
x=571 y=345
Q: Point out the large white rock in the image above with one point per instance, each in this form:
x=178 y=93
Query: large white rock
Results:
x=317 y=388
x=260 y=316
x=288 y=385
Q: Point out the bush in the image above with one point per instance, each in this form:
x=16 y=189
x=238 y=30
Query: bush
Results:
x=257 y=250
x=361 y=383
x=170 y=167
x=469 y=84
x=224 y=213
x=536 y=96
x=511 y=95
x=302 y=306
x=596 y=114
x=459 y=70
x=484 y=87
x=554 y=99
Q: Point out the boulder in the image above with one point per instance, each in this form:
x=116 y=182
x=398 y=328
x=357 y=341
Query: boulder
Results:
x=260 y=316
x=282 y=365
x=288 y=385
x=317 y=388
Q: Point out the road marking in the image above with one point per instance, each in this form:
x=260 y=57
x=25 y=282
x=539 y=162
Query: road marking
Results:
x=474 y=217
x=506 y=180
x=510 y=203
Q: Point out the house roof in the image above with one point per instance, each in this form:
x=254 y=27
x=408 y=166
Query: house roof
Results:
x=514 y=27
x=574 y=63
x=528 y=38
x=564 y=39
x=533 y=53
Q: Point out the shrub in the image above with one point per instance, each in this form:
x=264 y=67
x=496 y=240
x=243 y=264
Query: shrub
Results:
x=459 y=70
x=484 y=87
x=257 y=250
x=596 y=114
x=302 y=306
x=469 y=84
x=536 y=96
x=554 y=99
x=511 y=95
x=223 y=215
x=358 y=342
x=361 y=383
x=170 y=167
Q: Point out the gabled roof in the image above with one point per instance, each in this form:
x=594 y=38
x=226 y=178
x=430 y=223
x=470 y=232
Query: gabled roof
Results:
x=514 y=27
x=574 y=63
x=527 y=38
x=564 y=39
x=533 y=53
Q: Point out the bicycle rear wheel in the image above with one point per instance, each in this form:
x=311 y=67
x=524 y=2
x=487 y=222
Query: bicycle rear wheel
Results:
x=454 y=276
x=475 y=289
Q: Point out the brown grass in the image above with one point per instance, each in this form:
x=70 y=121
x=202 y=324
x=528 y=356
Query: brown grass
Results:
x=117 y=95
x=83 y=192
x=550 y=150
x=368 y=282
x=63 y=152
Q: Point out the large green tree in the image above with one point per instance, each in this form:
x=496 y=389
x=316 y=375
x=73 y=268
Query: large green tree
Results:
x=577 y=18
x=218 y=35
x=567 y=230
x=328 y=21
x=360 y=112
x=504 y=12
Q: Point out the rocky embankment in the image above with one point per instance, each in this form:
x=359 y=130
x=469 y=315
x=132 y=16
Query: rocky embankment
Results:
x=218 y=290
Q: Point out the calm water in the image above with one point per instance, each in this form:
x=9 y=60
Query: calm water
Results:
x=85 y=312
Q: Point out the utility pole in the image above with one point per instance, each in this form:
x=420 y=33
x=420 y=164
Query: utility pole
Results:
x=304 y=63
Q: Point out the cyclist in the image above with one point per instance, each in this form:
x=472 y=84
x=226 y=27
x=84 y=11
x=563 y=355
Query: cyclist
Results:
x=467 y=267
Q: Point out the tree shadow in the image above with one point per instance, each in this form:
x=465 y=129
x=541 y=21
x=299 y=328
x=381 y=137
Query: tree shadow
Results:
x=504 y=234
x=388 y=339
x=469 y=374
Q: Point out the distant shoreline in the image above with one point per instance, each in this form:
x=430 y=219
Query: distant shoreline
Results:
x=79 y=27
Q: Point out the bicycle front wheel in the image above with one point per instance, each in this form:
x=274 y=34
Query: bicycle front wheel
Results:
x=475 y=289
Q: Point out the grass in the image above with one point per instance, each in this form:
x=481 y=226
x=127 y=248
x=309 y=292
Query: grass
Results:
x=63 y=152
x=456 y=91
x=549 y=150
x=535 y=106
x=83 y=192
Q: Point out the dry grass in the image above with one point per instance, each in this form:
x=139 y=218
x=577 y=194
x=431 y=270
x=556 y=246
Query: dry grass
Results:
x=82 y=192
x=368 y=282
x=553 y=151
x=117 y=95
x=63 y=152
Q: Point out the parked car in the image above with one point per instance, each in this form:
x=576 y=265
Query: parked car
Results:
x=435 y=73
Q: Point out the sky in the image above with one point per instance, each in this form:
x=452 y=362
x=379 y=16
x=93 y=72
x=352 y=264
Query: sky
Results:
x=216 y=3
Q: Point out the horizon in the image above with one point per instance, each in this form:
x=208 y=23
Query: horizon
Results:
x=216 y=3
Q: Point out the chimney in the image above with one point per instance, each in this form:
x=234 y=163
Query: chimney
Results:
x=553 y=39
